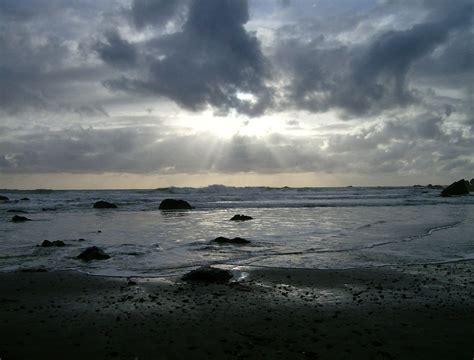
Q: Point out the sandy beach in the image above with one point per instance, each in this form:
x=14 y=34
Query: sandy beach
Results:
x=412 y=312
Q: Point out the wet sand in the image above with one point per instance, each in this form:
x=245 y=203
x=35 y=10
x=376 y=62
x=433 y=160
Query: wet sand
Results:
x=415 y=312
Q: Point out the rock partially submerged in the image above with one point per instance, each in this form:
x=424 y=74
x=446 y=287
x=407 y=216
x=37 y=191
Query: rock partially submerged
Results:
x=240 y=217
x=431 y=186
x=18 y=218
x=460 y=187
x=47 y=243
x=208 y=275
x=237 y=240
x=104 y=205
x=173 y=204
x=17 y=211
x=34 y=270
x=3 y=198
x=93 y=253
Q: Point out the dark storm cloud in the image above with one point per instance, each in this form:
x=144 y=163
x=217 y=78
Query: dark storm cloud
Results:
x=368 y=78
x=43 y=62
x=21 y=10
x=452 y=65
x=116 y=51
x=209 y=62
x=154 y=12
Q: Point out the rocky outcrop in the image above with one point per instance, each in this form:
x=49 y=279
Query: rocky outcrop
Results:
x=18 y=218
x=471 y=185
x=431 y=186
x=104 y=205
x=172 y=204
x=237 y=240
x=47 y=243
x=240 y=217
x=93 y=253
x=460 y=187
x=3 y=198
x=208 y=275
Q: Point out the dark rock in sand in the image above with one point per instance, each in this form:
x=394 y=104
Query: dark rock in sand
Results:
x=172 y=204
x=208 y=275
x=239 y=217
x=460 y=187
x=47 y=243
x=93 y=253
x=3 y=198
x=237 y=240
x=18 y=218
x=17 y=211
x=104 y=205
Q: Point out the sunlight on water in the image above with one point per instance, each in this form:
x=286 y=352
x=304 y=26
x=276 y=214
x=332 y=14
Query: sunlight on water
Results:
x=301 y=228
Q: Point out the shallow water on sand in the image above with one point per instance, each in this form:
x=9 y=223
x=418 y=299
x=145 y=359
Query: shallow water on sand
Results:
x=304 y=228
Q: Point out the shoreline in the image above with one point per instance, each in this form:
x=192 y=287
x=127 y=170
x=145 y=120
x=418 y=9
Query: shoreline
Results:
x=401 y=312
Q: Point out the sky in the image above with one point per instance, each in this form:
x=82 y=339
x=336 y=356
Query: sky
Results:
x=153 y=93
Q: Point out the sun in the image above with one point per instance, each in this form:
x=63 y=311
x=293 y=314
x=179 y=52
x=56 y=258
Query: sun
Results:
x=225 y=127
x=220 y=126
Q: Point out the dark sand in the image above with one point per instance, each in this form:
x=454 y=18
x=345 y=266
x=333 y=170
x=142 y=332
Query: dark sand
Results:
x=416 y=312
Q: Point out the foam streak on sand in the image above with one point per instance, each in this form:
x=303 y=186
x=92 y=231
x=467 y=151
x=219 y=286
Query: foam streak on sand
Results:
x=415 y=312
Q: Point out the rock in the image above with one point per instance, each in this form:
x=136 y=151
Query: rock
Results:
x=104 y=205
x=471 y=185
x=17 y=211
x=431 y=186
x=456 y=188
x=18 y=218
x=237 y=240
x=208 y=275
x=25 y=199
x=172 y=204
x=48 y=209
x=239 y=217
x=34 y=270
x=93 y=253
x=3 y=198
x=47 y=243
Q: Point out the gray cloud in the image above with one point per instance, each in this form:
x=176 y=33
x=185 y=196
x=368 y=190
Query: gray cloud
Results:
x=44 y=64
x=116 y=51
x=210 y=62
x=154 y=12
x=369 y=78
x=401 y=68
x=423 y=144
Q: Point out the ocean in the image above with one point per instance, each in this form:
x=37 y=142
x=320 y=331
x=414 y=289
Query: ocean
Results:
x=324 y=228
